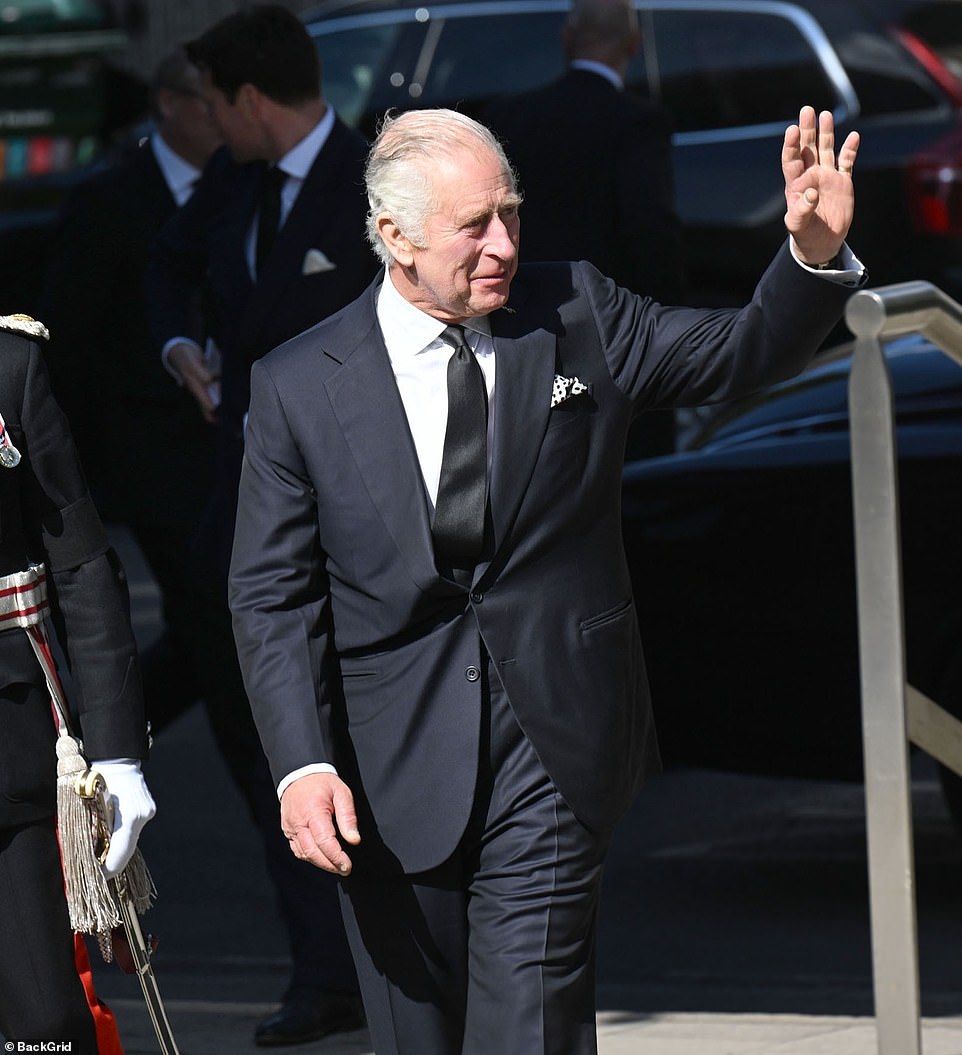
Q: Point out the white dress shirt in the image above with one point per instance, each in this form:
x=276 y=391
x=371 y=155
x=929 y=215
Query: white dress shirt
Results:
x=600 y=68
x=419 y=359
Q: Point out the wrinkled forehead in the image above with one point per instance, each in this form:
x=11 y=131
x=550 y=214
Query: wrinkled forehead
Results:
x=469 y=180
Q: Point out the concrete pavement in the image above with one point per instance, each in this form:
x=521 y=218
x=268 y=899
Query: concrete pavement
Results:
x=225 y=1027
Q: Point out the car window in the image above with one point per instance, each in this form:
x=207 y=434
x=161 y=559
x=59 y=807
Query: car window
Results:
x=722 y=69
x=886 y=78
x=365 y=67
x=476 y=59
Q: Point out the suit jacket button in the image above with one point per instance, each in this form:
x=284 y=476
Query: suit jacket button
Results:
x=477 y=596
x=472 y=673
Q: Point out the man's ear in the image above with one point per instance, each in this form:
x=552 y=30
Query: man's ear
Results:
x=398 y=244
x=165 y=101
x=249 y=99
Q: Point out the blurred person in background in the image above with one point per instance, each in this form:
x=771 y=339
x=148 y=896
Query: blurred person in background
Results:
x=585 y=138
x=276 y=228
x=147 y=454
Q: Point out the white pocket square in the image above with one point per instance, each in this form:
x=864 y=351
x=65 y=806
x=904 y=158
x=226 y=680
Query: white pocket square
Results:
x=315 y=262
x=566 y=387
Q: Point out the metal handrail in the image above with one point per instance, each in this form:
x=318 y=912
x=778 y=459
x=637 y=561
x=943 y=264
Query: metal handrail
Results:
x=909 y=307
x=889 y=706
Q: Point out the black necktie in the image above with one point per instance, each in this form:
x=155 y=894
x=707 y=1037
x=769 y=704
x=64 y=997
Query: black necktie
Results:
x=458 y=528
x=269 y=216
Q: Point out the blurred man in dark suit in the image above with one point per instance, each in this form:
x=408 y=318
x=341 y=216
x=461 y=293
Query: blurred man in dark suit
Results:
x=585 y=138
x=277 y=228
x=146 y=452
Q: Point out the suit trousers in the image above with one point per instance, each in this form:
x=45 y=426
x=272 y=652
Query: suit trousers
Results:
x=492 y=952
x=41 y=994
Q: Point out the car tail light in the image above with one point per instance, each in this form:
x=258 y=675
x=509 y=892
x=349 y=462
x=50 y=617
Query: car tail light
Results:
x=926 y=56
x=935 y=175
x=935 y=187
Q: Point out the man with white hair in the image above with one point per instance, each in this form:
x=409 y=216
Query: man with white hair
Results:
x=431 y=602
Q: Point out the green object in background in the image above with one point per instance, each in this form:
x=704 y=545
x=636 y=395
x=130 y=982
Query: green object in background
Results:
x=41 y=16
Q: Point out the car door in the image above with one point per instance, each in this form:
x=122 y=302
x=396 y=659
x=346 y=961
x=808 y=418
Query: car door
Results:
x=476 y=53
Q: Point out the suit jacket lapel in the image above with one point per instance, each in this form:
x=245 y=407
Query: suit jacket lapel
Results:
x=368 y=407
x=367 y=404
x=240 y=218
x=525 y=371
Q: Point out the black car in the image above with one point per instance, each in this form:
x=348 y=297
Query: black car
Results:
x=742 y=556
x=937 y=22
x=732 y=74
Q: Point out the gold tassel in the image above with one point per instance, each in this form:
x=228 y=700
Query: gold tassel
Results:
x=140 y=885
x=82 y=831
x=84 y=838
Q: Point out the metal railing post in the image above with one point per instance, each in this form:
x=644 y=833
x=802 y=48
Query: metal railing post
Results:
x=887 y=721
x=882 y=665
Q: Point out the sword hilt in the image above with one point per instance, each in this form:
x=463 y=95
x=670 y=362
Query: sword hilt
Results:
x=91 y=785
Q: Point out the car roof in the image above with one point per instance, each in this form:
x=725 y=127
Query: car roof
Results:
x=337 y=8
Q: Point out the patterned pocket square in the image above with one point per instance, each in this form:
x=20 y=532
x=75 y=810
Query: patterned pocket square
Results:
x=566 y=387
x=315 y=262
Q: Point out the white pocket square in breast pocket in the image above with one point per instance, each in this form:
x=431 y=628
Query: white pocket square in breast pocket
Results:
x=315 y=262
x=566 y=387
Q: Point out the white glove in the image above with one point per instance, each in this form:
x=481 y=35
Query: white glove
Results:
x=132 y=807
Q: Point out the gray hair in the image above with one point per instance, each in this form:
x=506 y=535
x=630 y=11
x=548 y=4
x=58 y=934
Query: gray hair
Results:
x=398 y=172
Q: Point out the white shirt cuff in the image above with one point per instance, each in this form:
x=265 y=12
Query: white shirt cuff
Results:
x=304 y=771
x=165 y=356
x=850 y=272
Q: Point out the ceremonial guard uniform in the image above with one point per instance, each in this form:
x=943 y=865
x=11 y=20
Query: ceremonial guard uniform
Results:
x=48 y=518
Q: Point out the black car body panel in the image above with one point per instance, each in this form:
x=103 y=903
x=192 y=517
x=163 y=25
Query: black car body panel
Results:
x=742 y=555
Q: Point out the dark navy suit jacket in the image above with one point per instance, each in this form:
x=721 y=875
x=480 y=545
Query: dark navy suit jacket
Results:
x=145 y=447
x=206 y=240
x=356 y=650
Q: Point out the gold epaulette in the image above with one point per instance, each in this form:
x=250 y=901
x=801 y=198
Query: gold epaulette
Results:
x=24 y=324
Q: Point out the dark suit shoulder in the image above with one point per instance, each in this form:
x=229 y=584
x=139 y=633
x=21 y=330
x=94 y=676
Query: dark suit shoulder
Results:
x=127 y=169
x=578 y=103
x=546 y=288
x=337 y=335
x=349 y=138
x=222 y=170
x=101 y=210
x=139 y=167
